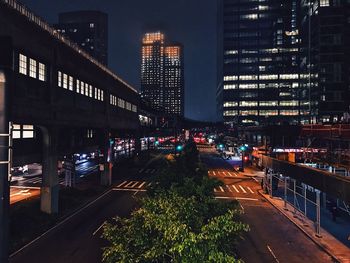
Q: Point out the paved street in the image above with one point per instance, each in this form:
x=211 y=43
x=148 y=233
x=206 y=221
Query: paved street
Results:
x=25 y=187
x=78 y=239
x=272 y=237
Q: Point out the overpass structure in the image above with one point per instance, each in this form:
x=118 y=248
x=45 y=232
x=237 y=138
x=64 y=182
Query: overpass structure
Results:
x=50 y=88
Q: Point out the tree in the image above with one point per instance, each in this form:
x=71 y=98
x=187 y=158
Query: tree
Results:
x=173 y=228
x=178 y=221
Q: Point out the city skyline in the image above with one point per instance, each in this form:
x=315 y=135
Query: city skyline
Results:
x=195 y=30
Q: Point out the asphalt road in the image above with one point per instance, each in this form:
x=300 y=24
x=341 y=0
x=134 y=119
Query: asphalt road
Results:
x=272 y=237
x=78 y=239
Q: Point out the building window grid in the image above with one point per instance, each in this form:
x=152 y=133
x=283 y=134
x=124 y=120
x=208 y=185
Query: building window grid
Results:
x=22 y=64
x=32 y=68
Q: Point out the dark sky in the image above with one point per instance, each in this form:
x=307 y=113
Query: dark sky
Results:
x=191 y=22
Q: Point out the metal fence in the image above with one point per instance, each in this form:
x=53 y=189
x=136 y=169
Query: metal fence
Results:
x=303 y=199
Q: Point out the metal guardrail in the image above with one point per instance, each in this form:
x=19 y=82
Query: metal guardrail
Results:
x=21 y=9
x=333 y=184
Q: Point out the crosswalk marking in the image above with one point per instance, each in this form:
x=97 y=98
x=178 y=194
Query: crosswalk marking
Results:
x=221 y=189
x=224 y=173
x=140 y=186
x=229 y=174
x=136 y=183
x=244 y=191
x=129 y=183
x=141 y=171
x=214 y=173
x=229 y=189
x=250 y=190
x=234 y=187
x=122 y=183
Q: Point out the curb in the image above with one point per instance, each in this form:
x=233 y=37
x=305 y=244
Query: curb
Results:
x=305 y=233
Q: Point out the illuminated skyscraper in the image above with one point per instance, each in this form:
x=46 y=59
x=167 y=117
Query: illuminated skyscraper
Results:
x=162 y=74
x=259 y=74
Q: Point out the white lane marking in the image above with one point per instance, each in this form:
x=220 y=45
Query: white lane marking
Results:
x=250 y=190
x=221 y=189
x=228 y=187
x=273 y=254
x=122 y=183
x=234 y=187
x=236 y=198
x=149 y=184
x=141 y=185
x=129 y=190
x=60 y=223
x=127 y=185
x=136 y=183
x=244 y=191
x=98 y=229
x=25 y=187
x=216 y=190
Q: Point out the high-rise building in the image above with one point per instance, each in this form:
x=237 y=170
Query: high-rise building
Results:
x=259 y=73
x=162 y=74
x=89 y=29
x=325 y=38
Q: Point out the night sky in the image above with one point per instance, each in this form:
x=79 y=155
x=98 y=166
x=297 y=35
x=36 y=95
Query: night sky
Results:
x=190 y=22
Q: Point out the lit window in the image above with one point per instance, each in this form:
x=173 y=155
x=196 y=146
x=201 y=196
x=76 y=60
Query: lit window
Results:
x=82 y=87
x=232 y=86
x=77 y=86
x=248 y=103
x=16 y=131
x=86 y=89
x=22 y=64
x=102 y=98
x=228 y=78
x=42 y=72
x=230 y=113
x=92 y=25
x=65 y=81
x=90 y=91
x=230 y=104
x=324 y=2
x=32 y=68
x=70 y=83
x=59 y=79
x=28 y=131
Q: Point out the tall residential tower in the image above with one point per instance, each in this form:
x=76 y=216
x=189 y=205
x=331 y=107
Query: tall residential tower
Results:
x=162 y=74
x=89 y=29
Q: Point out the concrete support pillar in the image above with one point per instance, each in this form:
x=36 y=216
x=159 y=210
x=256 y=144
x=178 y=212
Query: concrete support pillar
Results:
x=106 y=174
x=50 y=186
x=4 y=168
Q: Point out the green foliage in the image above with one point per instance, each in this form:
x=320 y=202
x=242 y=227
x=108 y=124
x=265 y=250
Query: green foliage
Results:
x=179 y=220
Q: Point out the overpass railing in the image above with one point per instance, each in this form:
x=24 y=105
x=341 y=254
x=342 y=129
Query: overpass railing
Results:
x=20 y=8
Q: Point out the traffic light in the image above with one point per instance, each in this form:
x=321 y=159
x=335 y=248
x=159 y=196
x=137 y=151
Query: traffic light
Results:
x=156 y=143
x=221 y=146
x=179 y=148
x=243 y=148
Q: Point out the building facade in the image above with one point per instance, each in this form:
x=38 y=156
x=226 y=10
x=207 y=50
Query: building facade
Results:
x=89 y=29
x=325 y=38
x=162 y=74
x=259 y=71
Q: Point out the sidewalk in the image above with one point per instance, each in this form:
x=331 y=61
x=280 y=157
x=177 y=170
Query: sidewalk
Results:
x=339 y=251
